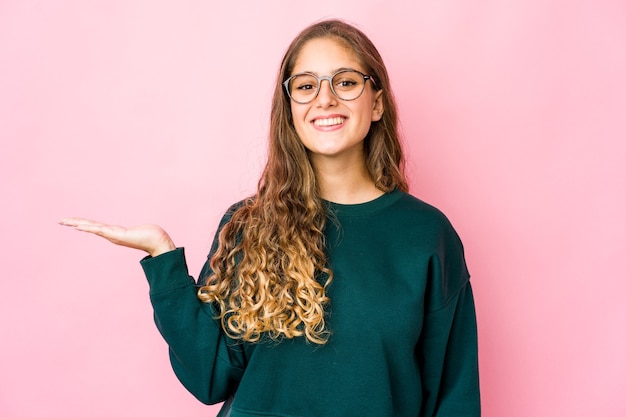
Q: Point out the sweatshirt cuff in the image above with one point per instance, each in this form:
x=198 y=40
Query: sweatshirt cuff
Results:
x=167 y=271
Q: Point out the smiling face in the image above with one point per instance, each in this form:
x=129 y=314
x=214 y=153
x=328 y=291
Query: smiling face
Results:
x=327 y=126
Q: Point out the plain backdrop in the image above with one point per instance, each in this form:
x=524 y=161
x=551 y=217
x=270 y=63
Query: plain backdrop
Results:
x=136 y=111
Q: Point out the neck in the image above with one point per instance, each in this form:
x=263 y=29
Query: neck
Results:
x=345 y=182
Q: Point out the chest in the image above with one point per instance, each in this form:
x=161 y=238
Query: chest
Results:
x=380 y=277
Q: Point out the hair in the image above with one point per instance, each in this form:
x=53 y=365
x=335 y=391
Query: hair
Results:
x=270 y=274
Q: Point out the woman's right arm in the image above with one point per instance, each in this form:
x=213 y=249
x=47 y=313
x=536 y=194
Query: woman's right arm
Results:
x=207 y=363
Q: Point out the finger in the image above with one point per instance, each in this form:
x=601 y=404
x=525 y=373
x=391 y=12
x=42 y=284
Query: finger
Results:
x=78 y=221
x=111 y=232
x=114 y=234
x=86 y=225
x=89 y=227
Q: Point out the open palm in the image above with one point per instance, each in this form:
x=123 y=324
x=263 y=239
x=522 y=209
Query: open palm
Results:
x=150 y=238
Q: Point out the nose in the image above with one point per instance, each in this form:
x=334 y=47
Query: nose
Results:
x=325 y=95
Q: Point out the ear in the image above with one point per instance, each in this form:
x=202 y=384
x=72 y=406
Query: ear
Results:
x=379 y=107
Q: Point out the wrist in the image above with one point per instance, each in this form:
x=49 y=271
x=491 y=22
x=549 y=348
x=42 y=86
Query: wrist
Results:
x=164 y=247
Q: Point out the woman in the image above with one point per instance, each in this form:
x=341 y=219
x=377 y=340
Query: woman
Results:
x=331 y=291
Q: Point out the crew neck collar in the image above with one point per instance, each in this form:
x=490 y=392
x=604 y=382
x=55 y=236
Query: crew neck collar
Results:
x=367 y=208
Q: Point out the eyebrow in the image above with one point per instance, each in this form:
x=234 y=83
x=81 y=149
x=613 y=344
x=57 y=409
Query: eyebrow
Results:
x=332 y=72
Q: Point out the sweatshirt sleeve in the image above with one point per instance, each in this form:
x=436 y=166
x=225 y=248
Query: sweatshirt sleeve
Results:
x=448 y=349
x=205 y=360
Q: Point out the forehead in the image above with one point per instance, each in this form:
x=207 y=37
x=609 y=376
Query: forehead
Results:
x=323 y=56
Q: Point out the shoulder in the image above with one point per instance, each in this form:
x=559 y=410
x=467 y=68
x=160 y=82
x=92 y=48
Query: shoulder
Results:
x=239 y=204
x=410 y=210
x=415 y=205
x=234 y=208
x=448 y=273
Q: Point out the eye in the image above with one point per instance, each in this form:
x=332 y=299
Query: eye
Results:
x=304 y=83
x=346 y=83
x=304 y=87
x=347 y=80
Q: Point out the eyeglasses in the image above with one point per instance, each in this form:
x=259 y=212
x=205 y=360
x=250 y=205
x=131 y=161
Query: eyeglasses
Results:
x=347 y=85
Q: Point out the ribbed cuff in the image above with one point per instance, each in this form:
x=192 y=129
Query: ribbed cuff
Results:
x=167 y=271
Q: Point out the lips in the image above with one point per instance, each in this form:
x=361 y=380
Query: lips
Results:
x=329 y=121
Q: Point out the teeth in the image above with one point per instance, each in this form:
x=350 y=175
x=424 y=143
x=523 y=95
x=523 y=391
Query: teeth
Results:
x=329 y=122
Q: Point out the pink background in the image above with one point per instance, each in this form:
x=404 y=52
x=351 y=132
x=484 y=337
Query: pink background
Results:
x=136 y=111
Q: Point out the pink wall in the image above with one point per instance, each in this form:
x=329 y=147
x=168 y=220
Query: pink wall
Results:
x=143 y=111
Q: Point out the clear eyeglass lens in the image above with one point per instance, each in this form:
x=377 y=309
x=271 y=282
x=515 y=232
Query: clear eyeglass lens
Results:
x=347 y=85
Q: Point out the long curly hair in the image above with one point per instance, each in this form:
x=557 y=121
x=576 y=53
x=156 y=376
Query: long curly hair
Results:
x=270 y=274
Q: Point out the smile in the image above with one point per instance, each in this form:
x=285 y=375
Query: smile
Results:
x=331 y=121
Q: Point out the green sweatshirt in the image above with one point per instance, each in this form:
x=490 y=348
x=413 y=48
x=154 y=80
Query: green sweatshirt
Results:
x=402 y=319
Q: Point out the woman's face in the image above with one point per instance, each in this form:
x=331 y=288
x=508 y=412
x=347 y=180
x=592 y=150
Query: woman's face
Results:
x=328 y=127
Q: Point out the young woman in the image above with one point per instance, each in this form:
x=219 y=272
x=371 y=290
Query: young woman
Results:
x=331 y=291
